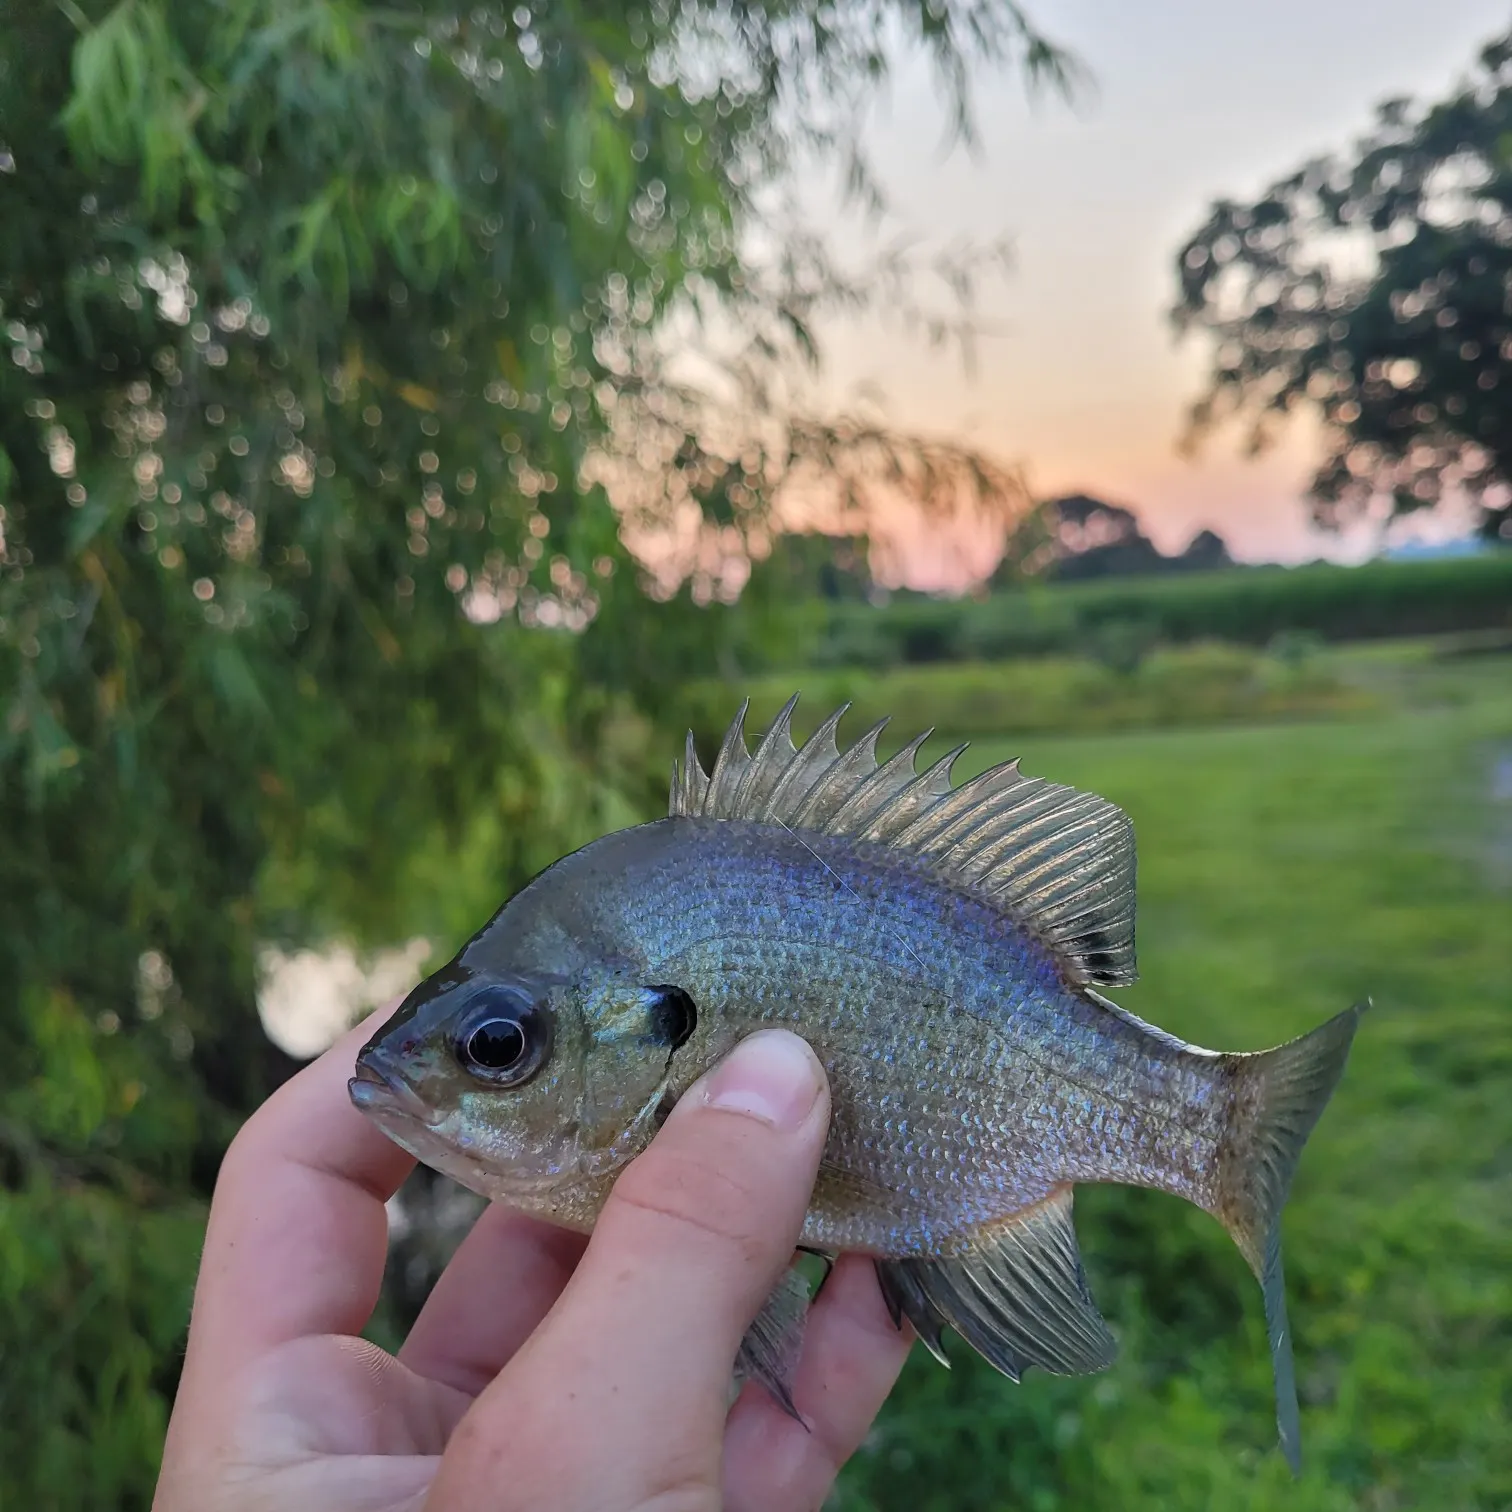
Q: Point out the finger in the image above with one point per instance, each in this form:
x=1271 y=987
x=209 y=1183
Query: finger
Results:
x=499 y=1285
x=852 y=1353
x=298 y=1234
x=637 y=1356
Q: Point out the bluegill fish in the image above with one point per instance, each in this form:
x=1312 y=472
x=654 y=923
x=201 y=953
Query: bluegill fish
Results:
x=942 y=949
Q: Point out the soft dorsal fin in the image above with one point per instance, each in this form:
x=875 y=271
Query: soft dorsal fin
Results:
x=1060 y=861
x=1018 y=1296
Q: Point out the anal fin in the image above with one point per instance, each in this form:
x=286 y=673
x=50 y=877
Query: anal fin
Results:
x=1018 y=1295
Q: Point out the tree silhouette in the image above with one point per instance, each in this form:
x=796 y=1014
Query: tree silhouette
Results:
x=1374 y=288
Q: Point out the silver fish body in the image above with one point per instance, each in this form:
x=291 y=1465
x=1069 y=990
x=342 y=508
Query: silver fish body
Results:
x=941 y=949
x=969 y=1078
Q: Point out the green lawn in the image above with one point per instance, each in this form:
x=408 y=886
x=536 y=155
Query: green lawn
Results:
x=1183 y=686
x=1286 y=871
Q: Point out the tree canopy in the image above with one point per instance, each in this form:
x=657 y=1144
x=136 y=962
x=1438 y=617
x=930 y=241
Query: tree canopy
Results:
x=1374 y=289
x=331 y=328
x=1084 y=537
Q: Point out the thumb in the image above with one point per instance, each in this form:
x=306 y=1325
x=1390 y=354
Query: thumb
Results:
x=635 y=1360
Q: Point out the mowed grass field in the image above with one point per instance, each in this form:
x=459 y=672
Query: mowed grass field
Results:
x=1286 y=871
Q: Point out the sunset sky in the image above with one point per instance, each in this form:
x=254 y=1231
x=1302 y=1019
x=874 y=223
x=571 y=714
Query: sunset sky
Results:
x=1191 y=100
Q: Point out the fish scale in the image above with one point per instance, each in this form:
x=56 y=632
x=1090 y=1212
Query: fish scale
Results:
x=942 y=949
x=1040 y=1102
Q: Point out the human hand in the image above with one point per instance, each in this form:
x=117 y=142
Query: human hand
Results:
x=543 y=1372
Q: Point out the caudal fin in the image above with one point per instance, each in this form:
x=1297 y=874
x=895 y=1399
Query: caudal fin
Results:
x=1278 y=1095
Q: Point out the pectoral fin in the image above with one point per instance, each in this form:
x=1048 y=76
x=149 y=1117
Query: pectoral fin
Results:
x=770 y=1350
x=1018 y=1296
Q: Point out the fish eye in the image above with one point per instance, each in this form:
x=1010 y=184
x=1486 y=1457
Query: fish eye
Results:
x=503 y=1039
x=496 y=1045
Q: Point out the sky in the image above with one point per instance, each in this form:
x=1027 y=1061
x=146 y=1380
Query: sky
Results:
x=1082 y=382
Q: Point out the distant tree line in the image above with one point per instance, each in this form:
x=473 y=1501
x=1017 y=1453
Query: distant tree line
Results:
x=1121 y=617
x=1091 y=538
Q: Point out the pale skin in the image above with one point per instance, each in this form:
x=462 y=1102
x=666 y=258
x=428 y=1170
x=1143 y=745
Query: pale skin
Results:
x=544 y=1370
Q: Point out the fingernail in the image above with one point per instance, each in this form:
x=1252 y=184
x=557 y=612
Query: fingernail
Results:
x=772 y=1076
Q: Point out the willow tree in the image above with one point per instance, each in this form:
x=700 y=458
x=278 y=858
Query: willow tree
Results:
x=329 y=329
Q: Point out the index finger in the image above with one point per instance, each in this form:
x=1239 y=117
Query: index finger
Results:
x=298 y=1233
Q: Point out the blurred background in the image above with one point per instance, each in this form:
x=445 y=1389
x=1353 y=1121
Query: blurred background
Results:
x=412 y=419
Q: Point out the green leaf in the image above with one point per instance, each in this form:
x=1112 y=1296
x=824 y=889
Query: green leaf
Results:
x=234 y=681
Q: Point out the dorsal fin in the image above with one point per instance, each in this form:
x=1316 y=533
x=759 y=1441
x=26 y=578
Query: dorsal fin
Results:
x=1058 y=860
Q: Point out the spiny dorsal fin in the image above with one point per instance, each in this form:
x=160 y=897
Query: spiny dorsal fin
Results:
x=1060 y=861
x=1018 y=1296
x=730 y=768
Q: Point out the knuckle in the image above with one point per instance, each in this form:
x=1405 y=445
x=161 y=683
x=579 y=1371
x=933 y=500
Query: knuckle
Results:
x=690 y=1190
x=800 y=1481
x=242 y=1154
x=826 y=1457
x=682 y=1485
x=256 y=1139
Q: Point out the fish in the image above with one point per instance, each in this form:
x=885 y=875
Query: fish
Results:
x=943 y=948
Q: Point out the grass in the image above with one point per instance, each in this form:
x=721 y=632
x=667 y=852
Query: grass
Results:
x=1173 y=688
x=1285 y=872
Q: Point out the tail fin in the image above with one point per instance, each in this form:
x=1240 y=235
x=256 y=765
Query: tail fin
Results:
x=1278 y=1096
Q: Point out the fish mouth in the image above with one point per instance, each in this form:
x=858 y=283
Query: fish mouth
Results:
x=375 y=1090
